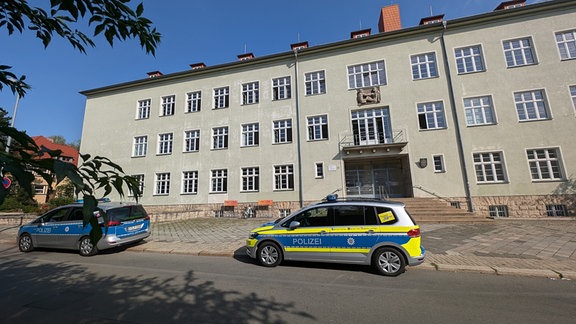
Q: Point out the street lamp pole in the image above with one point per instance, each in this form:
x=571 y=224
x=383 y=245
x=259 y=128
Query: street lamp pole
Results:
x=9 y=140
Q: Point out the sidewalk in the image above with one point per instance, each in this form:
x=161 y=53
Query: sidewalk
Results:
x=541 y=248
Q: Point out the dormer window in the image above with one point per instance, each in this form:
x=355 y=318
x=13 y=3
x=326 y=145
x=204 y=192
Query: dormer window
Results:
x=360 y=33
x=245 y=57
x=299 y=46
x=511 y=5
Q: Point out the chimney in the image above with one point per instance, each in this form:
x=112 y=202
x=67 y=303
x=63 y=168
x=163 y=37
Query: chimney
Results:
x=245 y=57
x=360 y=33
x=389 y=19
x=154 y=74
x=510 y=4
x=299 y=46
x=431 y=20
x=197 y=66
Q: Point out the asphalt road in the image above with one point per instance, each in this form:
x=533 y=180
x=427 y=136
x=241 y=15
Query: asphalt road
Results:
x=130 y=287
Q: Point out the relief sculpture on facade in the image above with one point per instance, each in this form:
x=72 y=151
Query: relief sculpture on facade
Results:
x=368 y=96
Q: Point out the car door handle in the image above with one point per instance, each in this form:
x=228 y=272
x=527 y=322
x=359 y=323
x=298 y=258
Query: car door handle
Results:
x=370 y=231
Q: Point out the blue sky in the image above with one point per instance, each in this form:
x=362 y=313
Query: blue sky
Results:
x=213 y=32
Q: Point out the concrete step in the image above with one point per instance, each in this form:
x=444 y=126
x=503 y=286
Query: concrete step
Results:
x=434 y=210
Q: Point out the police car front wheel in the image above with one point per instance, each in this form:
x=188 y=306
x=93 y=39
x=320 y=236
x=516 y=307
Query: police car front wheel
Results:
x=389 y=261
x=25 y=243
x=269 y=254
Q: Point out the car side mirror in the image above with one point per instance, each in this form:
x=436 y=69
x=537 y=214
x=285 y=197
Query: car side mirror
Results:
x=294 y=225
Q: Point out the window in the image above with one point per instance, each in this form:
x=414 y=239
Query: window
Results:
x=140 y=179
x=143 y=109
x=192 y=141
x=283 y=177
x=545 y=164
x=438 y=161
x=220 y=138
x=250 y=93
x=283 y=131
x=221 y=98
x=165 y=143
x=219 y=180
x=39 y=189
x=194 y=101
x=281 y=88
x=518 y=52
x=319 y=170
x=531 y=105
x=469 y=59
x=250 y=179
x=489 y=167
x=573 y=95
x=162 y=186
x=140 y=146
x=566 y=44
x=168 y=105
x=366 y=75
x=250 y=135
x=190 y=182
x=498 y=210
x=479 y=111
x=556 y=210
x=285 y=212
x=315 y=83
x=423 y=66
x=431 y=115
x=317 y=128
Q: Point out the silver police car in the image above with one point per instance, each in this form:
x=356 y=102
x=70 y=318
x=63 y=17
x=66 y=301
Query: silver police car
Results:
x=63 y=228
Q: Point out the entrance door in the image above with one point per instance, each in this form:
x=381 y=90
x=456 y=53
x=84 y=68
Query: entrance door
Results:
x=381 y=179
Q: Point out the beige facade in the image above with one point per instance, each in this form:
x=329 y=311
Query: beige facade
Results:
x=473 y=136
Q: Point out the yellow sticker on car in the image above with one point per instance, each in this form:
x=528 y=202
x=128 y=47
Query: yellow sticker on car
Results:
x=386 y=217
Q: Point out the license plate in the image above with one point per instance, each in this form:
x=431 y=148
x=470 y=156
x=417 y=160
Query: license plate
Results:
x=134 y=228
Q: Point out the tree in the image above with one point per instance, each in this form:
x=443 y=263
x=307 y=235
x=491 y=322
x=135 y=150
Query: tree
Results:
x=115 y=20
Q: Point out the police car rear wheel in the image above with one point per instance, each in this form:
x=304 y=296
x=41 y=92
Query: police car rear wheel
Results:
x=86 y=247
x=389 y=262
x=269 y=255
x=25 y=243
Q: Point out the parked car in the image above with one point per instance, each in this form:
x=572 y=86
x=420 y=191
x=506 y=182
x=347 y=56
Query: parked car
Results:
x=377 y=233
x=63 y=228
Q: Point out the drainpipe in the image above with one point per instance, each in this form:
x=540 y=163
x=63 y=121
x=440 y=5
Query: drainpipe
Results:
x=455 y=119
x=298 y=144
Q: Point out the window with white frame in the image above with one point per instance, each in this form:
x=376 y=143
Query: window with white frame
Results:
x=192 y=140
x=143 y=109
x=315 y=83
x=498 y=210
x=283 y=177
x=469 y=59
x=251 y=179
x=431 y=115
x=519 y=52
x=39 y=189
x=545 y=164
x=423 y=66
x=140 y=180
x=573 y=95
x=190 y=182
x=168 y=106
x=165 y=143
x=140 y=146
x=479 y=111
x=566 y=42
x=221 y=97
x=282 y=131
x=319 y=170
x=489 y=167
x=193 y=101
x=220 y=138
x=219 y=180
x=250 y=134
x=317 y=128
x=162 y=185
x=366 y=75
x=531 y=105
x=438 y=161
x=250 y=93
x=281 y=88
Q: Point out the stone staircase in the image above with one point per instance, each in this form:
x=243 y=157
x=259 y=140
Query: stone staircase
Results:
x=434 y=210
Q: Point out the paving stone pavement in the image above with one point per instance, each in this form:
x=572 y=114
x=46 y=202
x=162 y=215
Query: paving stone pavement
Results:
x=543 y=248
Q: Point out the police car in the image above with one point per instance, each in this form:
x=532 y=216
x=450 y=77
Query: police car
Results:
x=63 y=228
x=370 y=232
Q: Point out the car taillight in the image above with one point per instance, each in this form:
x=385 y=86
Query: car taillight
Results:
x=113 y=223
x=415 y=232
x=147 y=217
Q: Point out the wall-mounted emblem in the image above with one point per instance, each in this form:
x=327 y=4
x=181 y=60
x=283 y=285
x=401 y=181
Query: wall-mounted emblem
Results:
x=367 y=96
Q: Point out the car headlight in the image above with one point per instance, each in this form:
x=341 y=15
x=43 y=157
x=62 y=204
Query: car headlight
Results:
x=253 y=235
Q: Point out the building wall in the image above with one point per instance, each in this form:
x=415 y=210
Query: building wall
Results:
x=110 y=124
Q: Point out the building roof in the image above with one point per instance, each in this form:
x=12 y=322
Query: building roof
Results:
x=68 y=152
